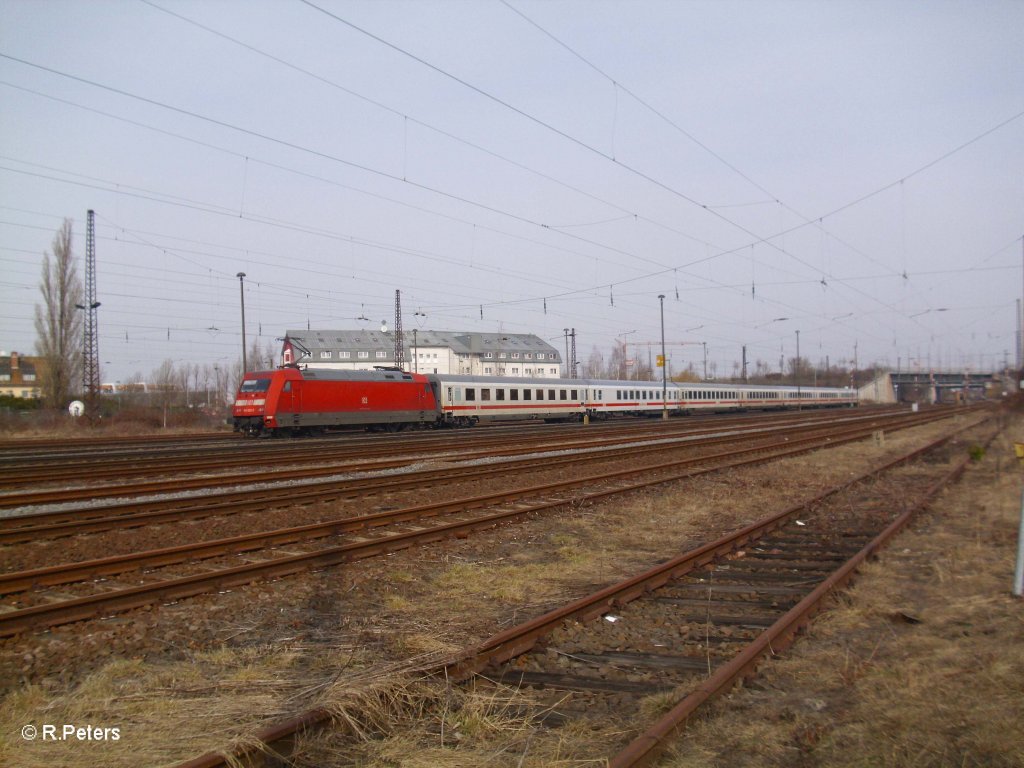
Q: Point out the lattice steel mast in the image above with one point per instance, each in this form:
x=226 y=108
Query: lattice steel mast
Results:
x=399 y=340
x=91 y=334
x=572 y=372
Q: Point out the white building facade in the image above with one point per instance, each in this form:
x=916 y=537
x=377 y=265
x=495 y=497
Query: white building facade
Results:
x=444 y=352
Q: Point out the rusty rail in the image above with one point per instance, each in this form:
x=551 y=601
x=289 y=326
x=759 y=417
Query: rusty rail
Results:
x=515 y=641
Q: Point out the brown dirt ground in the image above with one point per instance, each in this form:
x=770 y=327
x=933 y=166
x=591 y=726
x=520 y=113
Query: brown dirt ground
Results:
x=353 y=637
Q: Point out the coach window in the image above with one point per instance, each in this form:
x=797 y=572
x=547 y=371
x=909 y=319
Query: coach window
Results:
x=540 y=394
x=513 y=394
x=527 y=394
x=485 y=394
x=574 y=394
x=563 y=395
x=470 y=394
x=551 y=394
x=499 y=394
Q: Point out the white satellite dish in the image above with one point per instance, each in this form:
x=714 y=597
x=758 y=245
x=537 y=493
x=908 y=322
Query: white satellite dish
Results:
x=77 y=408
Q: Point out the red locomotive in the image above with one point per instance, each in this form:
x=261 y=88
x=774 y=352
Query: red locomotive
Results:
x=289 y=401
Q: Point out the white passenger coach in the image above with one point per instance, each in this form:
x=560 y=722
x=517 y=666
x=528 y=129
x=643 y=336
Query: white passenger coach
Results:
x=469 y=399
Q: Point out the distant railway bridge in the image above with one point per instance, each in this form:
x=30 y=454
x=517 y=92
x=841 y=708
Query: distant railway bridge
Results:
x=934 y=387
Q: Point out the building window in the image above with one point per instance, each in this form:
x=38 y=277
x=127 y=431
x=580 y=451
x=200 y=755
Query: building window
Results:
x=488 y=355
x=381 y=355
x=364 y=355
x=487 y=371
x=515 y=371
x=528 y=355
x=501 y=355
x=554 y=371
x=345 y=354
x=515 y=355
x=325 y=355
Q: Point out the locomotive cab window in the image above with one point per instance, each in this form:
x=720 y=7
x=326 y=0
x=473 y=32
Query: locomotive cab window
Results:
x=255 y=385
x=287 y=387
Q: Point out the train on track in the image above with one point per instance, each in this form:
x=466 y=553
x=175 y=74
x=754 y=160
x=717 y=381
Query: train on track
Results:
x=291 y=400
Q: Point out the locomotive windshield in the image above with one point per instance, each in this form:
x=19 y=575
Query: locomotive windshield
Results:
x=255 y=385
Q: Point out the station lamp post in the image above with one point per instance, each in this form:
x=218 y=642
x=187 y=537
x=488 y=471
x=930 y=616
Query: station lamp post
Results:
x=664 y=361
x=796 y=371
x=241 y=292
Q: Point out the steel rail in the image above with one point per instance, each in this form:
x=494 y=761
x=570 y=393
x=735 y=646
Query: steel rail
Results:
x=82 y=608
x=647 y=747
x=17 y=528
x=517 y=640
x=56 y=524
x=413 y=453
x=20 y=581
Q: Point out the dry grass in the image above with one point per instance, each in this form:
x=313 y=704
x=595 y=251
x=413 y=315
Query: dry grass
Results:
x=922 y=665
x=194 y=706
x=420 y=606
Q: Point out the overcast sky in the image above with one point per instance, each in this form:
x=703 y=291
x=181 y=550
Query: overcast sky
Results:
x=852 y=171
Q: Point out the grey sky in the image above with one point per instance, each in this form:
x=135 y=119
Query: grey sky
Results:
x=583 y=155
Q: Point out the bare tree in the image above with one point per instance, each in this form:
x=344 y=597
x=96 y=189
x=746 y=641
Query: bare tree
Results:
x=594 y=367
x=58 y=324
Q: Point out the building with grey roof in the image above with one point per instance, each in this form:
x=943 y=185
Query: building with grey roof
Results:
x=19 y=375
x=446 y=352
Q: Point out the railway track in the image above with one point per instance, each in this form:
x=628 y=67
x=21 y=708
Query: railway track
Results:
x=95 y=518
x=33 y=467
x=688 y=628
x=87 y=591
